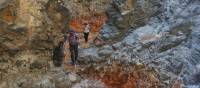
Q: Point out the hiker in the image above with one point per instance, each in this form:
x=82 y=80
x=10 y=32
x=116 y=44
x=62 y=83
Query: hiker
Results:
x=58 y=54
x=73 y=43
x=86 y=31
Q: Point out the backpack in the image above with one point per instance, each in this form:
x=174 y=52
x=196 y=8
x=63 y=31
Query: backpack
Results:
x=73 y=39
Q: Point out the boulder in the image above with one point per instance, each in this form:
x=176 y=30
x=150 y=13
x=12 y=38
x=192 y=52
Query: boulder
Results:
x=105 y=51
x=109 y=32
x=73 y=77
x=89 y=55
x=44 y=82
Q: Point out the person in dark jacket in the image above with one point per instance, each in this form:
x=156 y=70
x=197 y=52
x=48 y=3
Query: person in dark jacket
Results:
x=58 y=54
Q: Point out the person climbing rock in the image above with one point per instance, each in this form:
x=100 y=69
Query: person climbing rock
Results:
x=86 y=31
x=73 y=43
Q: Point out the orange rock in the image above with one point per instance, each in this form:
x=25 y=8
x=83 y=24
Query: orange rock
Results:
x=96 y=22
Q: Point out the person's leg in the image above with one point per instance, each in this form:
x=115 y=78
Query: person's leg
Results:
x=72 y=53
x=87 y=35
x=76 y=52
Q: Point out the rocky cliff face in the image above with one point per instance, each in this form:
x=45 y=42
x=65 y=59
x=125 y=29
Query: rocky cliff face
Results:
x=157 y=39
x=167 y=42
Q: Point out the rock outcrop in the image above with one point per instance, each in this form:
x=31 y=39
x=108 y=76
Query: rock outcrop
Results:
x=159 y=39
x=167 y=43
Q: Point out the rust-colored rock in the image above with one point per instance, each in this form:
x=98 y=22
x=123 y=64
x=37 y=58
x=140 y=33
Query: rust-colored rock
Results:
x=120 y=76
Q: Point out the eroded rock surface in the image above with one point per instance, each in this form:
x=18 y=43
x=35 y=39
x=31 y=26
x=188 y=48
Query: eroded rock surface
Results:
x=159 y=38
